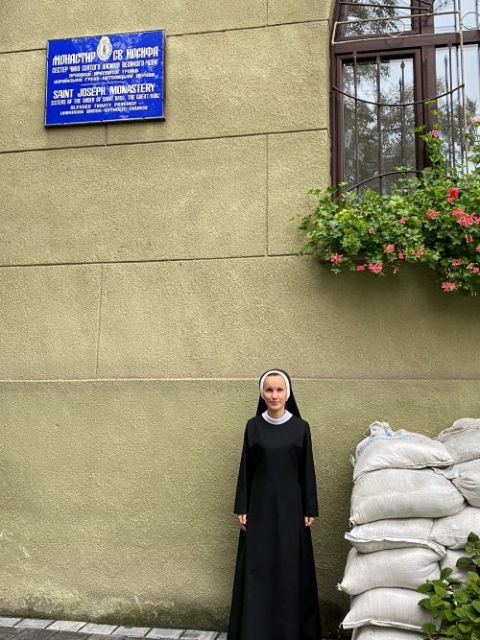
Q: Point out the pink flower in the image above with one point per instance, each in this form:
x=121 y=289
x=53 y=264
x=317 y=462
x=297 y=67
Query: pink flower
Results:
x=470 y=266
x=458 y=212
x=475 y=120
x=390 y=248
x=431 y=213
x=475 y=270
x=456 y=262
x=401 y=255
x=453 y=193
x=360 y=267
x=467 y=220
x=336 y=258
x=435 y=133
x=402 y=220
x=420 y=252
x=468 y=238
x=375 y=267
x=448 y=286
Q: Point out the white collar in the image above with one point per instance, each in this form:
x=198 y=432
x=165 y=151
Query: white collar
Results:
x=286 y=416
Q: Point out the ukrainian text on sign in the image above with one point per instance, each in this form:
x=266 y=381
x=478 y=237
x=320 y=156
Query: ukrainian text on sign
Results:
x=103 y=78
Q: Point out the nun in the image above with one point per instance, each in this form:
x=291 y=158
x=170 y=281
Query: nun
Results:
x=275 y=588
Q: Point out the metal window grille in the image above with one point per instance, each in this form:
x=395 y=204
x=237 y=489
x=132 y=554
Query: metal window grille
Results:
x=397 y=65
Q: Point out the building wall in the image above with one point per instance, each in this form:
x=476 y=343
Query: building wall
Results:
x=148 y=276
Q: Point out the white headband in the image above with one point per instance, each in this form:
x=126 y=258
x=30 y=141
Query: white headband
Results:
x=277 y=373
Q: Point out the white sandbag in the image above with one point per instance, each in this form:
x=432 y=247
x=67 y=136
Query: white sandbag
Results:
x=403 y=493
x=453 y=531
x=402 y=449
x=467 y=480
x=462 y=439
x=393 y=534
x=397 y=608
x=406 y=568
x=380 y=633
x=450 y=560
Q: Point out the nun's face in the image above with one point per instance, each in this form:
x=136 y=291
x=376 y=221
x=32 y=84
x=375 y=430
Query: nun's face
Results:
x=275 y=394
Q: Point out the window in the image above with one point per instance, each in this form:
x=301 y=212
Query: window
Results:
x=397 y=65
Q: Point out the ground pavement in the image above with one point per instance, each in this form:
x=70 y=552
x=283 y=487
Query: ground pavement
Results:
x=36 y=629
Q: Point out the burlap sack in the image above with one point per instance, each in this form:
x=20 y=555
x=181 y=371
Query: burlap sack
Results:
x=393 y=534
x=406 y=568
x=453 y=531
x=402 y=449
x=467 y=480
x=380 y=633
x=396 y=608
x=462 y=439
x=403 y=493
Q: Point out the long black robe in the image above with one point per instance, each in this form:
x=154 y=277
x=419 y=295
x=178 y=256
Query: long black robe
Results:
x=275 y=588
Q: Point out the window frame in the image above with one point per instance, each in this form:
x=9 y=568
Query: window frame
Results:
x=420 y=43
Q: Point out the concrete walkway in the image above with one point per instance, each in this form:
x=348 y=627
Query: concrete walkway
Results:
x=37 y=629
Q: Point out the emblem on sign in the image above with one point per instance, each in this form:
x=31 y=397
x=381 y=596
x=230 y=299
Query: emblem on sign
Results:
x=104 y=49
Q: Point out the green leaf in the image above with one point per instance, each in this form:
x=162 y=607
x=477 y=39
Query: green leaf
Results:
x=440 y=590
x=476 y=605
x=426 y=604
x=428 y=629
x=426 y=587
x=460 y=596
x=445 y=573
x=464 y=562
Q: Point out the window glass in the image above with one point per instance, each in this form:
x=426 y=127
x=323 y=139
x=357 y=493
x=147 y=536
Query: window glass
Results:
x=450 y=106
x=374 y=17
x=378 y=120
x=447 y=15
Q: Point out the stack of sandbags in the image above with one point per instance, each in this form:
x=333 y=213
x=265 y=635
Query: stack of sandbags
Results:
x=462 y=440
x=397 y=498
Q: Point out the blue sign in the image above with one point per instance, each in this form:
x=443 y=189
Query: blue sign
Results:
x=102 y=78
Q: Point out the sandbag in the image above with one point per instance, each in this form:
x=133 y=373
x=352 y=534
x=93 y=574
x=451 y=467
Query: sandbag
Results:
x=462 y=439
x=403 y=493
x=453 y=531
x=406 y=568
x=450 y=560
x=467 y=480
x=393 y=534
x=397 y=608
x=380 y=633
x=402 y=449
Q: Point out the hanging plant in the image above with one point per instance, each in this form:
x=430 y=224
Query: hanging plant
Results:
x=432 y=219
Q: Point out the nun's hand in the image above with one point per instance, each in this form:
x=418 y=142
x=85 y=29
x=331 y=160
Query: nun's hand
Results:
x=242 y=521
x=308 y=521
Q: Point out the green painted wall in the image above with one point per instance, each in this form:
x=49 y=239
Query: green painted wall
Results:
x=147 y=276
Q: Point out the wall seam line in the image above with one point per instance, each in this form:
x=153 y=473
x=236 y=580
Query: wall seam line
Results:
x=146 y=261
x=229 y=379
x=186 y=34
x=267 y=179
x=169 y=141
x=99 y=322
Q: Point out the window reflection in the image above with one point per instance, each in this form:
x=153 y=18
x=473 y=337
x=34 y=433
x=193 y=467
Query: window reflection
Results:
x=378 y=121
x=447 y=15
x=450 y=106
x=371 y=17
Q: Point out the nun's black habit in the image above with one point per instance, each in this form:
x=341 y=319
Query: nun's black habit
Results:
x=275 y=588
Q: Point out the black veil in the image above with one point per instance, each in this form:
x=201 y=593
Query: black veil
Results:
x=291 y=404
